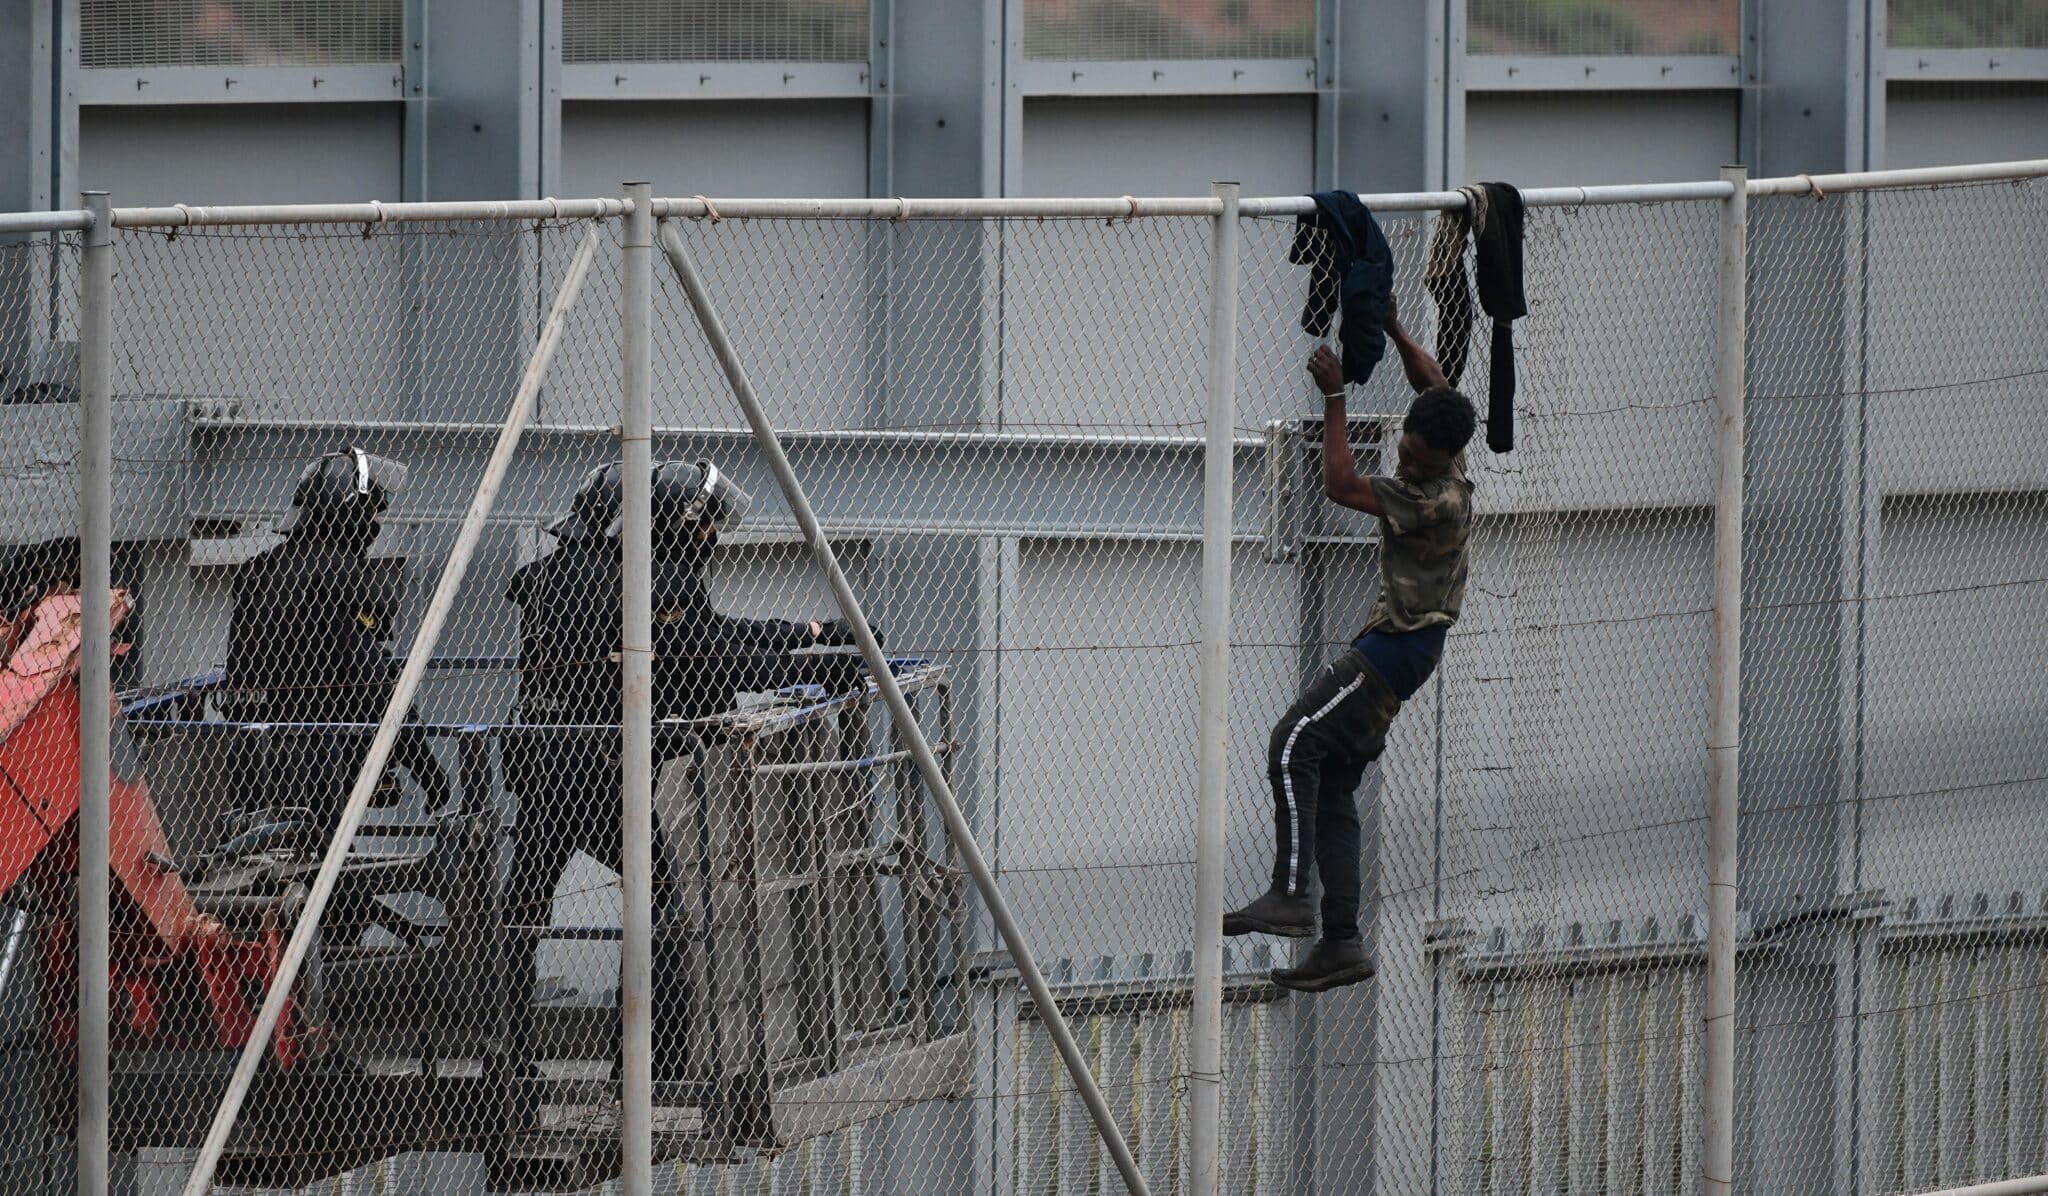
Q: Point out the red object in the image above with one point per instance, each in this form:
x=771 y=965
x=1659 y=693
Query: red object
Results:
x=165 y=955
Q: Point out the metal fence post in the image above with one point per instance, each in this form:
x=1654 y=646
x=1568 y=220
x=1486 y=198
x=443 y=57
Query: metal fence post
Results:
x=1717 y=1087
x=636 y=957
x=1205 y=1021
x=95 y=683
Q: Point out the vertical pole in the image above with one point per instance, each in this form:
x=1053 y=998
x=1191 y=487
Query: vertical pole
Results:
x=1205 y=1019
x=636 y=959
x=95 y=683
x=1717 y=1087
x=928 y=766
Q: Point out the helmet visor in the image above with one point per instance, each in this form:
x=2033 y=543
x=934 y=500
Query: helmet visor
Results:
x=377 y=475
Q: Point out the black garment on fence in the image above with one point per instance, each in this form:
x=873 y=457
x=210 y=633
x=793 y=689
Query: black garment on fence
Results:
x=1494 y=217
x=1499 y=246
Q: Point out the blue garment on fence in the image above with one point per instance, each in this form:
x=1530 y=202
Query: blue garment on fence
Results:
x=1351 y=268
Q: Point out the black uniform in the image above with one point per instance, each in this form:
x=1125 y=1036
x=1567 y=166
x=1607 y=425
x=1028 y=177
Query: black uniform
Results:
x=308 y=643
x=702 y=658
x=568 y=779
x=569 y=676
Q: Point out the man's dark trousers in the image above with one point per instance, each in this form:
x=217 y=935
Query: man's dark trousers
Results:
x=1316 y=758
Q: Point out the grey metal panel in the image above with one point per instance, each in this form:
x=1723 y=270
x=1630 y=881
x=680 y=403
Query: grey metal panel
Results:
x=1954 y=123
x=692 y=147
x=1986 y=65
x=281 y=153
x=1164 y=77
x=868 y=483
x=1810 y=108
x=1562 y=140
x=1955 y=387
x=1082 y=343
x=814 y=299
x=1098 y=677
x=713 y=81
x=1602 y=644
x=1954 y=782
x=1081 y=330
x=945 y=102
x=1395 y=99
x=1168 y=146
x=1507 y=72
x=781 y=581
x=34 y=287
x=39 y=472
x=486 y=110
x=27 y=132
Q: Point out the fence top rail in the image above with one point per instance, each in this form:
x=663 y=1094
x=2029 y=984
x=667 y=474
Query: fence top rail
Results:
x=1818 y=185
x=372 y=212
x=1124 y=207
x=45 y=222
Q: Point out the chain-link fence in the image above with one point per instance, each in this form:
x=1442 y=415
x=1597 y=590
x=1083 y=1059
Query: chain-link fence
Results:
x=999 y=418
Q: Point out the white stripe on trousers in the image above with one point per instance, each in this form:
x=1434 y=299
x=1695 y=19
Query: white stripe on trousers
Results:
x=1287 y=779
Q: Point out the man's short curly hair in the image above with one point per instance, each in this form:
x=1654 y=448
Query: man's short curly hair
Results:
x=1443 y=417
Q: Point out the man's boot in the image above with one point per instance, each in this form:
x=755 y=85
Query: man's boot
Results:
x=1331 y=963
x=1273 y=912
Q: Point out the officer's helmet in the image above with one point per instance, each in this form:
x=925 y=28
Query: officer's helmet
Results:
x=687 y=493
x=350 y=488
x=595 y=509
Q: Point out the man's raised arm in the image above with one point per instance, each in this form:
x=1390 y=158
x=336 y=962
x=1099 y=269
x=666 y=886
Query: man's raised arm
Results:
x=1341 y=483
x=1422 y=369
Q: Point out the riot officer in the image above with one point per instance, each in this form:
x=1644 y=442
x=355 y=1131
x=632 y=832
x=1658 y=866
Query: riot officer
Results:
x=309 y=642
x=703 y=657
x=562 y=758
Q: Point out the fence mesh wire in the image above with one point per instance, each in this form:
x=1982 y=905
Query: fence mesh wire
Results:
x=1893 y=748
x=1001 y=425
x=1112 y=29
x=171 y=33
x=1532 y=907
x=1602 y=26
x=1967 y=25
x=714 y=30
